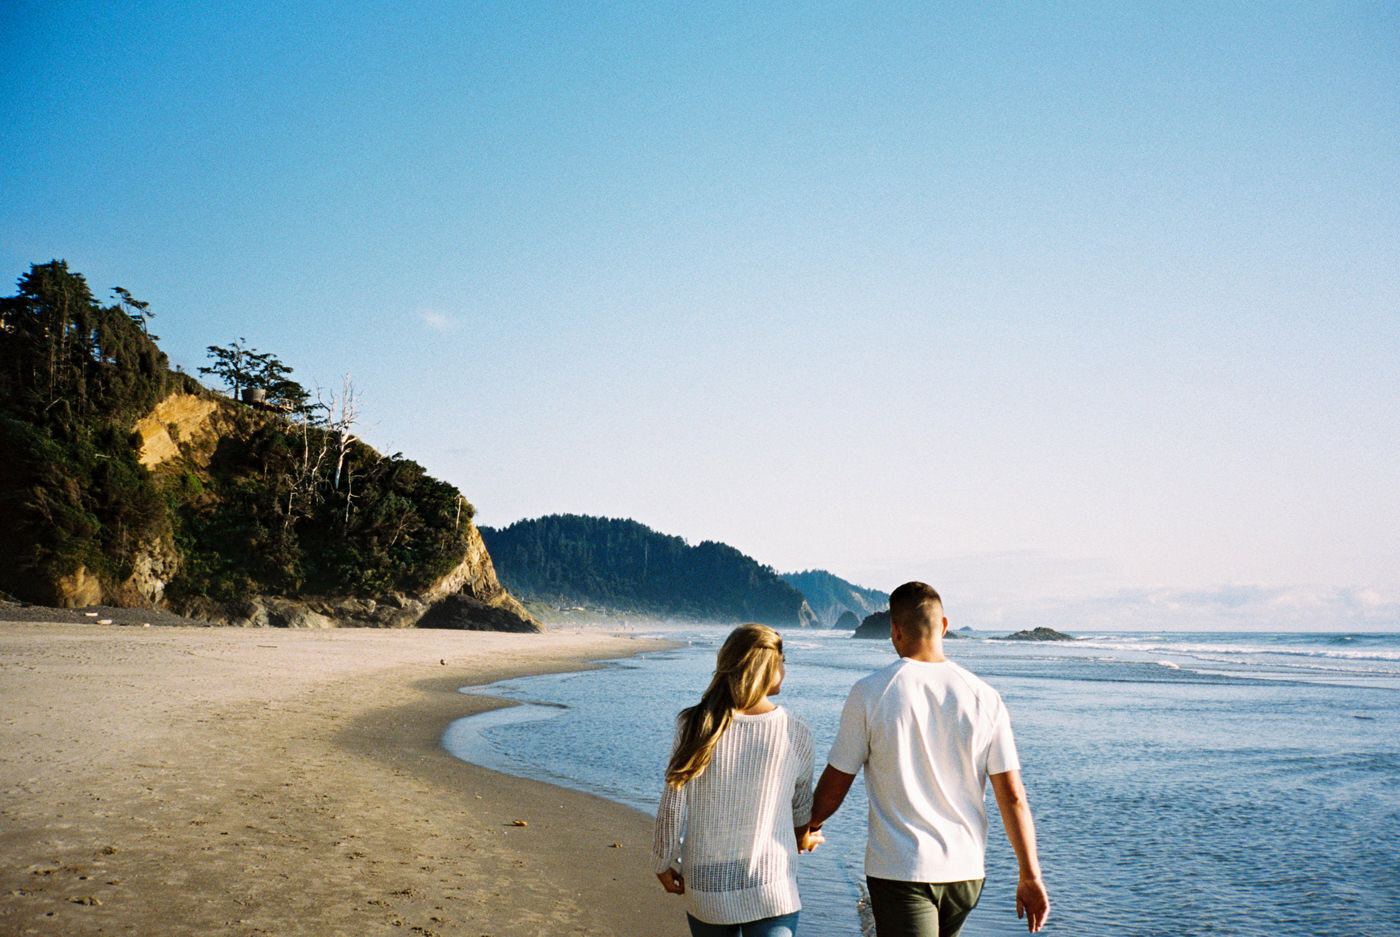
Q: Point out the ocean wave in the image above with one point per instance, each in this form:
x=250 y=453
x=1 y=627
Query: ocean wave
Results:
x=1157 y=645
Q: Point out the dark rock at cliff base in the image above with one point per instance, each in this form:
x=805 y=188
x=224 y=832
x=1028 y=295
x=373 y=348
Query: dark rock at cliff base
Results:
x=465 y=613
x=1037 y=634
x=847 y=622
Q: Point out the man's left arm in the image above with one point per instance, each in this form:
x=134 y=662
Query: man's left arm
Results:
x=1032 y=900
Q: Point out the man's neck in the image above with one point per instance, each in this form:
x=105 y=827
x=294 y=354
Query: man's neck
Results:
x=929 y=653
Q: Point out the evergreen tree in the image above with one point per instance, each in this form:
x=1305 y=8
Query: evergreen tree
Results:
x=243 y=368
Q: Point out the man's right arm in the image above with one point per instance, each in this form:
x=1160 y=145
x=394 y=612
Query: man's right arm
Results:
x=1032 y=900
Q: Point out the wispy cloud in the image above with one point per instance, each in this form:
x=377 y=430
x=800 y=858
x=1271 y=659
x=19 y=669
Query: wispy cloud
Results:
x=438 y=321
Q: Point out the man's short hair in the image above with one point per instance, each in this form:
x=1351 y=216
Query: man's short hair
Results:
x=916 y=608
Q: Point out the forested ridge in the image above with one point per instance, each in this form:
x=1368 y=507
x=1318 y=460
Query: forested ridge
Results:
x=624 y=566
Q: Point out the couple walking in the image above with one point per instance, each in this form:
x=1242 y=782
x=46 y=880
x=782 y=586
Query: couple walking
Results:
x=928 y=733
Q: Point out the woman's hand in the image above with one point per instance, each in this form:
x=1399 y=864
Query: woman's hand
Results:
x=672 y=881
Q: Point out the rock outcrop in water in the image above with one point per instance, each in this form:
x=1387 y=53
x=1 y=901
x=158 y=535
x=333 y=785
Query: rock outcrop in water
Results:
x=877 y=625
x=1036 y=634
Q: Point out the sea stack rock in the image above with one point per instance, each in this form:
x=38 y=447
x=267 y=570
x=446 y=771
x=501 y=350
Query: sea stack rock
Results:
x=1037 y=634
x=876 y=625
x=847 y=622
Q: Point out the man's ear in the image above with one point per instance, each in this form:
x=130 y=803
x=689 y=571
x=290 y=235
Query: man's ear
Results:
x=945 y=627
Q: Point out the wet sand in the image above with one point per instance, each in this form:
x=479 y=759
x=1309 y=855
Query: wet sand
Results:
x=173 y=780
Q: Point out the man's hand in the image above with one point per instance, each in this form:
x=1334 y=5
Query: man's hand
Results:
x=1032 y=903
x=809 y=839
x=672 y=881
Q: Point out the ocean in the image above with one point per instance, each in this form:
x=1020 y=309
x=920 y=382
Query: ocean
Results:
x=1182 y=783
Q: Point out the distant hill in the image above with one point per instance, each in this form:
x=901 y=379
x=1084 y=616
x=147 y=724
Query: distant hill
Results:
x=623 y=567
x=829 y=596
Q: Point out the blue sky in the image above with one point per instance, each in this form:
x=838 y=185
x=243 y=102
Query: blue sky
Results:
x=1086 y=313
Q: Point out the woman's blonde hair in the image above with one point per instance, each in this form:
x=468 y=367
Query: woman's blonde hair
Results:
x=745 y=671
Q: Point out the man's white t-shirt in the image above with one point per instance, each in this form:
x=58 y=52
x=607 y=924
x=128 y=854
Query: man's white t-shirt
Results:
x=928 y=736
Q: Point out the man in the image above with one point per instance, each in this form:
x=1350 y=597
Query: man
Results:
x=929 y=734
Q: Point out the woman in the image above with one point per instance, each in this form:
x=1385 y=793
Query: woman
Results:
x=738 y=796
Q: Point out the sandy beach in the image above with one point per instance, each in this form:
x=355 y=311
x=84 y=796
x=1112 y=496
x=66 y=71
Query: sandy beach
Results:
x=177 y=780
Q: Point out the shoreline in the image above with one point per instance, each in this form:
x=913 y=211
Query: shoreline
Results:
x=249 y=781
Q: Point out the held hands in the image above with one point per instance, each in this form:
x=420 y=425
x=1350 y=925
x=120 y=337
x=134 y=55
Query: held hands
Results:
x=809 y=839
x=672 y=881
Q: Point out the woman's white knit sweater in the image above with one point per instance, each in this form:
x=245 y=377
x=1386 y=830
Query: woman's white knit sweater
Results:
x=730 y=830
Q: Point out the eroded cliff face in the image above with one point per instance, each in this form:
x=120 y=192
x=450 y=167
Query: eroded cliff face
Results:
x=180 y=434
x=179 y=418
x=475 y=578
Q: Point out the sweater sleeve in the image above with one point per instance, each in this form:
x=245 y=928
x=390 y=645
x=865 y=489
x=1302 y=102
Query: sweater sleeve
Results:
x=804 y=752
x=670 y=828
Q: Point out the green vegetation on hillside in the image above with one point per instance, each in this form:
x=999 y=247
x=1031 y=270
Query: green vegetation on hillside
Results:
x=278 y=523
x=287 y=504
x=74 y=376
x=570 y=559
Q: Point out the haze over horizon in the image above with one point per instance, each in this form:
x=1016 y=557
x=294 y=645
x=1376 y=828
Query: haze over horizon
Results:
x=1087 y=314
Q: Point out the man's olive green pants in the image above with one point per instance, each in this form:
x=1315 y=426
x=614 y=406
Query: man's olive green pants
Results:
x=921 y=909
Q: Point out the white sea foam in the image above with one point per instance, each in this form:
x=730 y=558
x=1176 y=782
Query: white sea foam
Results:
x=1272 y=650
